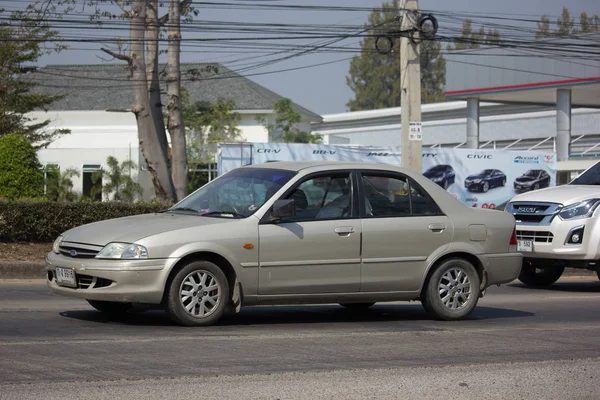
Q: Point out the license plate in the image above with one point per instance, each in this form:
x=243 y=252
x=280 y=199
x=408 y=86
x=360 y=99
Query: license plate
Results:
x=525 y=245
x=65 y=277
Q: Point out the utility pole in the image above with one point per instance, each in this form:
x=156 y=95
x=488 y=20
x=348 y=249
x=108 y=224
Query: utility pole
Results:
x=410 y=78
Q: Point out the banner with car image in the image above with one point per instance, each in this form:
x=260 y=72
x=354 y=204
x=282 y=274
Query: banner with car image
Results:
x=478 y=178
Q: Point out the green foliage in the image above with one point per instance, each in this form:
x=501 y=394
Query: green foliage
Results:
x=566 y=26
x=284 y=129
x=21 y=39
x=375 y=78
x=59 y=185
x=20 y=171
x=43 y=221
x=473 y=40
x=117 y=181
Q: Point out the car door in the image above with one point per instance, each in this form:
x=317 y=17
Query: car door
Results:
x=402 y=226
x=318 y=250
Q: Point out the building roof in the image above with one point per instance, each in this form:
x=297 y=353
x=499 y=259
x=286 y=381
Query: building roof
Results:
x=107 y=86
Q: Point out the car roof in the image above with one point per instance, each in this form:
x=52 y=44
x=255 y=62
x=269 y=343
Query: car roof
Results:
x=301 y=165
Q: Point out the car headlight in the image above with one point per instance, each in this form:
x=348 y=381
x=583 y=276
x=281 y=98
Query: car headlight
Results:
x=123 y=251
x=476 y=180
x=56 y=245
x=585 y=209
x=436 y=178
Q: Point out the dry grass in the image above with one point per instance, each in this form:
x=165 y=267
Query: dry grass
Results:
x=28 y=252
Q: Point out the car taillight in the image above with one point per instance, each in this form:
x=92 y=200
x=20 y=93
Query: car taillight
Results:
x=513 y=238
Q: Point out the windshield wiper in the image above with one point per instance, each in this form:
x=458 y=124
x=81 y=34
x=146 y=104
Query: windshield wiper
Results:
x=212 y=213
x=181 y=209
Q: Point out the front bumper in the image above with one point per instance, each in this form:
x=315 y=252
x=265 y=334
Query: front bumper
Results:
x=130 y=281
x=549 y=241
x=502 y=268
x=521 y=188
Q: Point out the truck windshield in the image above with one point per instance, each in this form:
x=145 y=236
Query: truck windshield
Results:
x=589 y=177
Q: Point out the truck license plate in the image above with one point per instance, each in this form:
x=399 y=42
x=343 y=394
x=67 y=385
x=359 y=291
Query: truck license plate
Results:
x=525 y=245
x=65 y=277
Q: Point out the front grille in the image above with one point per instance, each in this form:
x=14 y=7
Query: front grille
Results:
x=533 y=213
x=538 y=237
x=91 y=282
x=79 y=250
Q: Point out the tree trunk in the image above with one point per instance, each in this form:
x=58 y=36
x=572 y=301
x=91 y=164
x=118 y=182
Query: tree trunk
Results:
x=152 y=73
x=179 y=167
x=154 y=153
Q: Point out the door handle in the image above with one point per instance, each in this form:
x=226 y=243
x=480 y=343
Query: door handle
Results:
x=437 y=227
x=344 y=230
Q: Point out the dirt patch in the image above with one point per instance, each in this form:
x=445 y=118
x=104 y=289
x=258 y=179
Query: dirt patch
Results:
x=29 y=252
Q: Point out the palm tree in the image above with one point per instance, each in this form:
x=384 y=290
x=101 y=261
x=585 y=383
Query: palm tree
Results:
x=117 y=181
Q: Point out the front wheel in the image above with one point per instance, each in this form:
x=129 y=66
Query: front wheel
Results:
x=452 y=291
x=198 y=294
x=485 y=187
x=503 y=181
x=357 y=306
x=539 y=277
x=111 y=307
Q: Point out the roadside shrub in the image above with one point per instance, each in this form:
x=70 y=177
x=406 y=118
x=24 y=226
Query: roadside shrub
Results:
x=43 y=221
x=20 y=170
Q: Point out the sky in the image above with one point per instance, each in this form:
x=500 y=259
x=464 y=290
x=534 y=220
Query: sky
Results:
x=322 y=88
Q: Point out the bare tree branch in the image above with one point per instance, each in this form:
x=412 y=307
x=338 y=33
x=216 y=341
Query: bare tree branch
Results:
x=182 y=4
x=122 y=7
x=116 y=55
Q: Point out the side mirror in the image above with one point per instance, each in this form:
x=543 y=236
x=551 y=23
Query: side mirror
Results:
x=284 y=208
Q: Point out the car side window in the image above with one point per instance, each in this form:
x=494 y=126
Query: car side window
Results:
x=322 y=197
x=387 y=196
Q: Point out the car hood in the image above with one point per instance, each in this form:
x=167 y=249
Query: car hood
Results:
x=564 y=194
x=134 y=228
x=525 y=179
x=472 y=177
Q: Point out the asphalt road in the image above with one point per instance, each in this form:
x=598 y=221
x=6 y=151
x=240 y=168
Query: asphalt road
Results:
x=519 y=343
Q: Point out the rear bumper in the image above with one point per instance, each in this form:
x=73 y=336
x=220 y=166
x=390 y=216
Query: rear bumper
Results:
x=502 y=268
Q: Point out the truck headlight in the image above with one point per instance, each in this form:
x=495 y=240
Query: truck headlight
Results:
x=581 y=210
x=56 y=245
x=123 y=251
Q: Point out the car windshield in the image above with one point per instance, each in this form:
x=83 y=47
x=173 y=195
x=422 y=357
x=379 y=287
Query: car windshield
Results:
x=486 y=172
x=589 y=177
x=237 y=194
x=531 y=173
x=438 y=168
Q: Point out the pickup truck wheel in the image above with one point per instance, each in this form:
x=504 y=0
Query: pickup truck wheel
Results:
x=111 y=307
x=540 y=277
x=198 y=294
x=357 y=306
x=452 y=291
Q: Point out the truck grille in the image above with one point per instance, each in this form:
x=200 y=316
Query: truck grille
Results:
x=539 y=237
x=533 y=213
x=79 y=250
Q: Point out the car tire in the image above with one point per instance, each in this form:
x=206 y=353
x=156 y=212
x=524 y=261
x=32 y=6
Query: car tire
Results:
x=445 y=184
x=357 y=306
x=536 y=186
x=539 y=277
x=111 y=307
x=452 y=291
x=485 y=186
x=198 y=294
x=503 y=181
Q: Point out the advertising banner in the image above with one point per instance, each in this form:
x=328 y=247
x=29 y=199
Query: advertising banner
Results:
x=478 y=178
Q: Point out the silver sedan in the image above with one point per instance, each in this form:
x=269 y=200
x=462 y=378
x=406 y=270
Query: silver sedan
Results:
x=290 y=233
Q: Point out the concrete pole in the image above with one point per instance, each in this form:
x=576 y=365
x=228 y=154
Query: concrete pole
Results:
x=563 y=124
x=410 y=77
x=473 y=123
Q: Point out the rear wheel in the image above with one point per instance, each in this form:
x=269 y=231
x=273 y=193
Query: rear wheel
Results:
x=357 y=306
x=452 y=291
x=198 y=294
x=503 y=181
x=533 y=275
x=111 y=307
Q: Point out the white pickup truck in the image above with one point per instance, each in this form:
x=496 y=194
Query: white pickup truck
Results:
x=559 y=227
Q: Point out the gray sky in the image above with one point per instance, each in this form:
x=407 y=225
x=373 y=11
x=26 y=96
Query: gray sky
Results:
x=323 y=89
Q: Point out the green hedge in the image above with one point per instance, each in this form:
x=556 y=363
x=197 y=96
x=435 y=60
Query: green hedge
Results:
x=43 y=221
